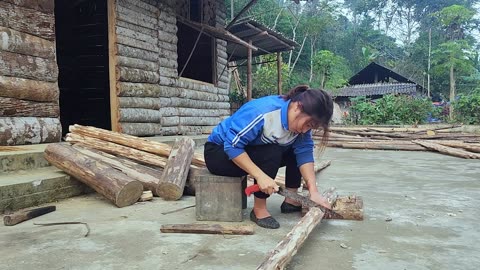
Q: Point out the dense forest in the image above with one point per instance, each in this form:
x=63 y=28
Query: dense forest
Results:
x=420 y=39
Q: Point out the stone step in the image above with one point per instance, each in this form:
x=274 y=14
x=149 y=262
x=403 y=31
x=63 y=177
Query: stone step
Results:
x=24 y=157
x=26 y=188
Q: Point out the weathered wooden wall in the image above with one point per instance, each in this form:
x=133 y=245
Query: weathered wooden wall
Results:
x=29 y=109
x=152 y=99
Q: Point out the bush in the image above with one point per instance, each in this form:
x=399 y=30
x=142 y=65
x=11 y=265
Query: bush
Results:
x=391 y=110
x=467 y=108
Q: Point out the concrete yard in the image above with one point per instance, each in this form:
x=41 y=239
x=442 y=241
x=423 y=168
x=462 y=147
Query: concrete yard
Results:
x=432 y=201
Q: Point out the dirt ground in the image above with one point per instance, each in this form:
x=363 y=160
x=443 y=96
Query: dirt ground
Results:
x=431 y=199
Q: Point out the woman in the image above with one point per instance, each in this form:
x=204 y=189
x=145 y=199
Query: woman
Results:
x=266 y=134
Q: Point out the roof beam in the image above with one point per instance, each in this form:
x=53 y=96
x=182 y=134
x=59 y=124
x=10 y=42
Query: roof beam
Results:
x=244 y=9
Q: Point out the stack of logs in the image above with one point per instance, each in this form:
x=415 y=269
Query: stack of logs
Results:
x=446 y=140
x=120 y=166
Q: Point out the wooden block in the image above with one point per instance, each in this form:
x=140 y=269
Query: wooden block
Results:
x=146 y=196
x=218 y=198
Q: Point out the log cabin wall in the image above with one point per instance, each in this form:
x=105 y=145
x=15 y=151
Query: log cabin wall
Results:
x=29 y=109
x=152 y=99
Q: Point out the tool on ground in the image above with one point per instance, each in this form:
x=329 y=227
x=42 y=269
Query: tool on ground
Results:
x=291 y=195
x=24 y=215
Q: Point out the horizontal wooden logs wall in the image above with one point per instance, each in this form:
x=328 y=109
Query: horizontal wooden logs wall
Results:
x=152 y=99
x=29 y=93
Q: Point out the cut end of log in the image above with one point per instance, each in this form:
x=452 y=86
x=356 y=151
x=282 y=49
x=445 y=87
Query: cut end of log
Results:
x=129 y=194
x=169 y=191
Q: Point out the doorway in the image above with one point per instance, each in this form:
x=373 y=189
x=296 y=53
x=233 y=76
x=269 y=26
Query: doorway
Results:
x=81 y=29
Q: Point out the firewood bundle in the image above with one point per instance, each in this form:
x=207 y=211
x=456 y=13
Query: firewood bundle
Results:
x=121 y=166
x=445 y=140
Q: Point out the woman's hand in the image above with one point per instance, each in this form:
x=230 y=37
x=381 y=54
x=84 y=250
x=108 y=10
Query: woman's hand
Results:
x=267 y=184
x=320 y=200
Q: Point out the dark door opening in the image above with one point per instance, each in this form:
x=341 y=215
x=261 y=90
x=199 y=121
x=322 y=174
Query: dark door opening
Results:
x=82 y=55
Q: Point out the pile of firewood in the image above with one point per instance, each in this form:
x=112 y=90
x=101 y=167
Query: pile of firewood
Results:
x=446 y=140
x=121 y=167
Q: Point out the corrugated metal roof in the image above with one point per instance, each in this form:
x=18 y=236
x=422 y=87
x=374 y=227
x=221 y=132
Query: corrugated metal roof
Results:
x=375 y=89
x=265 y=39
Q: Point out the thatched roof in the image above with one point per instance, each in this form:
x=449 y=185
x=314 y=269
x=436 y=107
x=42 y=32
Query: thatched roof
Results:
x=377 y=89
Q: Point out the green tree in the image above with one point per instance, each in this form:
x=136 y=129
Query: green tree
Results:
x=331 y=68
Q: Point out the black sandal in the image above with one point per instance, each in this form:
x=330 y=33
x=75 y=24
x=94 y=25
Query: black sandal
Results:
x=268 y=222
x=290 y=208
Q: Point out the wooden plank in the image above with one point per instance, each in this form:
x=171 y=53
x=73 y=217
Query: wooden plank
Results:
x=18 y=107
x=28 y=67
x=112 y=65
x=171 y=184
x=22 y=43
x=19 y=88
x=208 y=229
x=27 y=20
x=24 y=215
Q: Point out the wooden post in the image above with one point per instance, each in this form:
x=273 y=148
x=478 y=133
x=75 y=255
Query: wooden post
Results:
x=103 y=178
x=208 y=229
x=249 y=73
x=279 y=72
x=112 y=64
x=171 y=184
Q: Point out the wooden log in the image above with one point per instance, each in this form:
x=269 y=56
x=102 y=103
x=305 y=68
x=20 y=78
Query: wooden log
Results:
x=140 y=7
x=346 y=207
x=140 y=115
x=133 y=52
x=167 y=27
x=172 y=183
x=376 y=146
x=447 y=150
x=27 y=20
x=281 y=255
x=137 y=75
x=116 y=149
x=152 y=47
x=24 y=215
x=170 y=38
x=154 y=147
x=146 y=196
x=137 y=28
x=28 y=89
x=28 y=67
x=467 y=146
x=149 y=177
x=168 y=63
x=137 y=63
x=112 y=184
x=45 y=6
x=136 y=36
x=29 y=130
x=198 y=228
x=22 y=43
x=136 y=18
x=141 y=129
x=18 y=107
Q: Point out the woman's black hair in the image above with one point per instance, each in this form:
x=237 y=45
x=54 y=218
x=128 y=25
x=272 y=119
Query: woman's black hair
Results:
x=316 y=103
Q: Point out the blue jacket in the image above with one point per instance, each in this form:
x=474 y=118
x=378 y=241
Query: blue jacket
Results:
x=262 y=121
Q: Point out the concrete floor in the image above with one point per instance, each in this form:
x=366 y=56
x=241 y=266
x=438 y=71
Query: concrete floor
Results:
x=432 y=200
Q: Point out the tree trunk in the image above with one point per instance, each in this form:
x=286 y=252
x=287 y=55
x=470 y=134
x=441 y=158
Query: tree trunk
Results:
x=114 y=185
x=28 y=89
x=154 y=147
x=29 y=130
x=208 y=229
x=146 y=175
x=452 y=91
x=18 y=107
x=280 y=256
x=171 y=184
x=448 y=150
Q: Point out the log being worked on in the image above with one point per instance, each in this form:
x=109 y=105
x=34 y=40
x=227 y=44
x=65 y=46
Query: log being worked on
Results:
x=172 y=183
x=26 y=89
x=208 y=229
x=19 y=107
x=117 y=149
x=29 y=130
x=103 y=178
x=448 y=150
x=153 y=147
x=24 y=215
x=147 y=176
x=281 y=255
x=345 y=207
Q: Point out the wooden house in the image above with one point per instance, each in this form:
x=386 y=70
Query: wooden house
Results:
x=141 y=67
